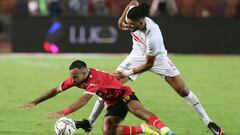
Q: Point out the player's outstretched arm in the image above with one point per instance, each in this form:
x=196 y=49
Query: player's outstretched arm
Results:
x=146 y=66
x=49 y=94
x=142 y=68
x=72 y=108
x=121 y=21
x=82 y=101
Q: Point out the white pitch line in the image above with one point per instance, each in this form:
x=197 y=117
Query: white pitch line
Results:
x=38 y=64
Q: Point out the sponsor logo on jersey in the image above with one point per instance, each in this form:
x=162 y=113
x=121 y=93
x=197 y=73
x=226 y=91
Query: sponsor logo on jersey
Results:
x=92 y=84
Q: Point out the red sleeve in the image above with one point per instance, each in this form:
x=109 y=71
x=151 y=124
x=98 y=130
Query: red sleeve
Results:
x=92 y=87
x=68 y=83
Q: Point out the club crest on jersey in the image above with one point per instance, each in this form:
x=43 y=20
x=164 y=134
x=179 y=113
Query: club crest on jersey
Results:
x=126 y=99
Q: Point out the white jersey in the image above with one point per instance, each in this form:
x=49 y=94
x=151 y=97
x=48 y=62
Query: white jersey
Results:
x=149 y=41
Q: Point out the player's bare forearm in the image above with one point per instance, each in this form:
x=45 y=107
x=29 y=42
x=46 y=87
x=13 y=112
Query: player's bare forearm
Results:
x=72 y=108
x=121 y=21
x=148 y=65
x=80 y=102
x=49 y=94
x=142 y=68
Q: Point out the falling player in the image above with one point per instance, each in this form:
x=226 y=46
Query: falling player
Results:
x=118 y=98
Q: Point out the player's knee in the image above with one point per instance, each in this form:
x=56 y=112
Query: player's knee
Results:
x=109 y=130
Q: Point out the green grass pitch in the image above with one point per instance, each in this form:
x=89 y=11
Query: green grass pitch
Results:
x=214 y=79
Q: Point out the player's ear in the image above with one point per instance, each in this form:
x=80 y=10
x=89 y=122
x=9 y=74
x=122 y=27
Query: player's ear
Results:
x=85 y=73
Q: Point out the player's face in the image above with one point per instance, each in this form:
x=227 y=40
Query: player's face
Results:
x=77 y=75
x=134 y=25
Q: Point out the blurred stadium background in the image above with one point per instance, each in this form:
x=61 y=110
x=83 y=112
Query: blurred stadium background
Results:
x=40 y=38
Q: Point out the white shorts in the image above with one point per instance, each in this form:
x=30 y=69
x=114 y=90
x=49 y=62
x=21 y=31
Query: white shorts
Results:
x=162 y=66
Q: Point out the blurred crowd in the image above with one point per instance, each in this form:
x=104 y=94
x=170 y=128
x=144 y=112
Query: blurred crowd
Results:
x=185 y=8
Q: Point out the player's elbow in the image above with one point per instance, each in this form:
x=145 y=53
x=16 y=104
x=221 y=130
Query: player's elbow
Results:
x=134 y=3
x=150 y=62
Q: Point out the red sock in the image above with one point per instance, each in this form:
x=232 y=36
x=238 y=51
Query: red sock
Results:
x=131 y=130
x=154 y=121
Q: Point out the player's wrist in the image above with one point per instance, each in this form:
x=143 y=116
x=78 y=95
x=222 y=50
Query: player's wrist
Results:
x=67 y=111
x=129 y=72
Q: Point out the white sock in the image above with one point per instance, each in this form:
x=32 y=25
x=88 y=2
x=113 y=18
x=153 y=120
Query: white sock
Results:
x=96 y=111
x=192 y=100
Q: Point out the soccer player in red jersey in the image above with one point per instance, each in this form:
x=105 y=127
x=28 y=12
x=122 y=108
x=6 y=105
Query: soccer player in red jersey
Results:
x=118 y=98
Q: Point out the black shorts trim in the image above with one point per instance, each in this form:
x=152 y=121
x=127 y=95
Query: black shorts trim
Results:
x=120 y=109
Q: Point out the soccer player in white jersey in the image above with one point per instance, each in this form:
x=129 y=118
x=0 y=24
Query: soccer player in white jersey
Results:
x=149 y=54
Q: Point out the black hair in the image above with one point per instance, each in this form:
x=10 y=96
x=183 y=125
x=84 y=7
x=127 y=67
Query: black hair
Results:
x=78 y=64
x=138 y=12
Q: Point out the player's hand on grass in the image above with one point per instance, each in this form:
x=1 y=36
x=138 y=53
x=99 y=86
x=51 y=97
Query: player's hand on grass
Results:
x=55 y=115
x=28 y=105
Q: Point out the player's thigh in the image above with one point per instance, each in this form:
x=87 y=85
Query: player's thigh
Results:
x=110 y=124
x=164 y=67
x=136 y=108
x=132 y=62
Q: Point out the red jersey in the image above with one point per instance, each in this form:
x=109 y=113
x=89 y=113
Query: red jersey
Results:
x=102 y=84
